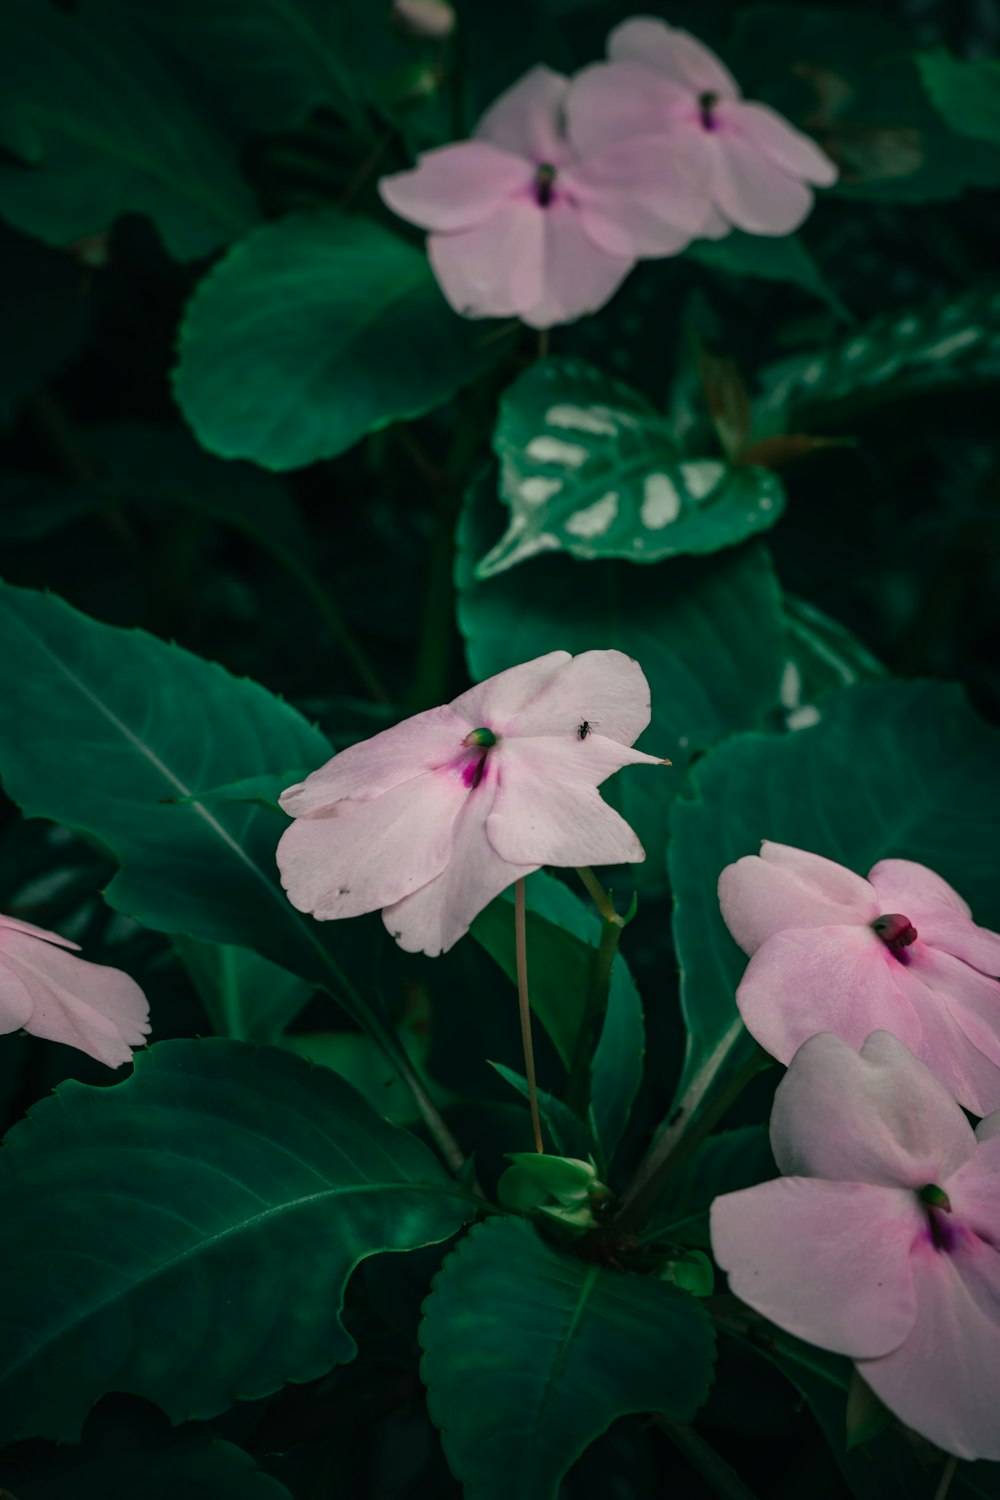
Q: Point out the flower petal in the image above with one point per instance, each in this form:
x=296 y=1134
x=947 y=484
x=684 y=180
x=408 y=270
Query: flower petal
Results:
x=494 y=702
x=828 y=1261
x=11 y=924
x=434 y=918
x=974 y=1190
x=754 y=194
x=579 y=276
x=673 y=53
x=784 y=887
x=97 y=1009
x=15 y=1001
x=971 y=998
x=877 y=1116
x=548 y=810
x=497 y=269
x=456 y=187
x=769 y=134
x=527 y=117
x=835 y=979
x=605 y=688
x=613 y=104
x=372 y=853
x=943 y=1380
x=645 y=197
x=941 y=917
x=376 y=765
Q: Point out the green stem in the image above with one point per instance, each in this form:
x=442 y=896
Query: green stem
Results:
x=947 y=1476
x=578 y=1082
x=524 y=1006
x=721 y=1478
x=598 y=894
x=679 y=1136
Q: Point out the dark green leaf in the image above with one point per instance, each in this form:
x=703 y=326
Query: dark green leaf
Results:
x=823 y=655
x=530 y=1354
x=762 y=257
x=210 y=1210
x=315 y=331
x=45 y=310
x=944 y=343
x=891 y=769
x=246 y=997
x=190 y=1462
x=724 y=1163
x=104 y=128
x=567 y=1131
x=710 y=643
x=966 y=93
x=589 y=468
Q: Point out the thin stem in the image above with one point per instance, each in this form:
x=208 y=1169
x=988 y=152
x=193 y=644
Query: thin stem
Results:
x=948 y=1474
x=366 y=168
x=678 y=1138
x=521 y=947
x=723 y=1480
x=599 y=895
x=578 y=1083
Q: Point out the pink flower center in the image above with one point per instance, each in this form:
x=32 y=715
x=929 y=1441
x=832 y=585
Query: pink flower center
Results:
x=545 y=180
x=474 y=769
x=942 y=1231
x=896 y=932
x=706 y=107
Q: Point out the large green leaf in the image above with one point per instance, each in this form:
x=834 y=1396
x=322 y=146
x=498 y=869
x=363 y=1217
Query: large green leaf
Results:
x=530 y=1354
x=246 y=997
x=707 y=633
x=315 y=331
x=189 y=1462
x=107 y=730
x=901 y=769
x=187 y=1235
x=952 y=342
x=589 y=468
x=102 y=128
x=966 y=93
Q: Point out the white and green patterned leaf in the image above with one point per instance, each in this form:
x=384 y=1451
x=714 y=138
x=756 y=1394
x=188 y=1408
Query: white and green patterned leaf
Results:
x=588 y=467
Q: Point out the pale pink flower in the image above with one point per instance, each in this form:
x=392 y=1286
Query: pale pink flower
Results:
x=430 y=820
x=756 y=167
x=431 y=19
x=882 y=1240
x=525 y=225
x=48 y=992
x=897 y=952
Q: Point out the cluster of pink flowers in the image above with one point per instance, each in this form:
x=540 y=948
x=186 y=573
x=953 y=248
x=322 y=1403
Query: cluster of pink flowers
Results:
x=568 y=182
x=882 y=1239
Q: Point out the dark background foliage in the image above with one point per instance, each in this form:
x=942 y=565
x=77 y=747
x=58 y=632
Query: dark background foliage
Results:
x=219 y=423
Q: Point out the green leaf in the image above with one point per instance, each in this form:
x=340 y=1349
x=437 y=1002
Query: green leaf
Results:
x=589 y=468
x=264 y=790
x=568 y=1133
x=947 y=342
x=763 y=258
x=530 y=1354
x=823 y=655
x=45 y=311
x=723 y=1163
x=315 y=331
x=891 y=769
x=711 y=645
x=107 y=729
x=210 y=1211
x=190 y=1462
x=103 y=128
x=966 y=93
x=246 y=997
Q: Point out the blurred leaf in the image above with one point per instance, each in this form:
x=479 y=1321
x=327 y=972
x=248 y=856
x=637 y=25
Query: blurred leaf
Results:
x=891 y=769
x=762 y=256
x=32 y=507
x=105 y=729
x=966 y=93
x=315 y=331
x=589 y=468
x=530 y=1354
x=858 y=90
x=190 y=1462
x=710 y=645
x=723 y=1163
x=823 y=655
x=103 y=128
x=211 y=1208
x=943 y=343
x=45 y=311
x=246 y=997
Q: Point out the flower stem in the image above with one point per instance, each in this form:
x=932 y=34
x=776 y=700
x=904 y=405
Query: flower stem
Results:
x=521 y=947
x=543 y=343
x=678 y=1137
x=578 y=1082
x=598 y=894
x=947 y=1476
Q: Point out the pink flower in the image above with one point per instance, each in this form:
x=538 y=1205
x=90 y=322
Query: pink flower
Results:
x=663 y=81
x=524 y=225
x=431 y=19
x=897 y=952
x=882 y=1241
x=432 y=819
x=48 y=992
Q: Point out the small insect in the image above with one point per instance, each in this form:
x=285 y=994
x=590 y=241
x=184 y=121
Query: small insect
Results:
x=585 y=728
